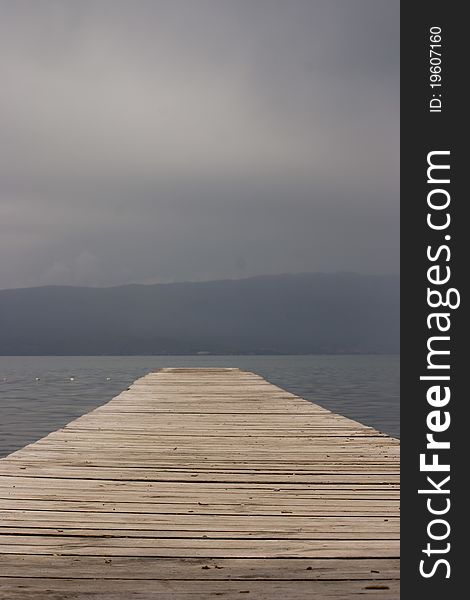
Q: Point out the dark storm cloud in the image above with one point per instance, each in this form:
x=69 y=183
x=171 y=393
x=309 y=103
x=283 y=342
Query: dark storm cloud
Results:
x=170 y=140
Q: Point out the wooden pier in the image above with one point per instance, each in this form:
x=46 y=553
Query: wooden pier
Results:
x=202 y=483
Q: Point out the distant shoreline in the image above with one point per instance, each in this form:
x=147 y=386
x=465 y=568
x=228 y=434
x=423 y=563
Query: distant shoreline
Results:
x=247 y=354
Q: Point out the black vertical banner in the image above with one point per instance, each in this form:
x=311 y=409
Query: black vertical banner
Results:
x=434 y=251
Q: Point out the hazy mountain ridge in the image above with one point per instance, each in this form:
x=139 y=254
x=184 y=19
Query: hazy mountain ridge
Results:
x=307 y=313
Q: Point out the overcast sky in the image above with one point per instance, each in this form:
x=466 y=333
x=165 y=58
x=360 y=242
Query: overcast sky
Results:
x=171 y=140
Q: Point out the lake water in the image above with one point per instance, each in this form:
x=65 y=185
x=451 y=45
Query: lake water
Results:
x=365 y=388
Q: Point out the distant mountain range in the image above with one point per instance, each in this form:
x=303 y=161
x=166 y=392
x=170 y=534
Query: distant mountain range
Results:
x=279 y=314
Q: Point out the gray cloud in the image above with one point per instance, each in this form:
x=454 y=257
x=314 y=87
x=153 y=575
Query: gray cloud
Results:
x=167 y=140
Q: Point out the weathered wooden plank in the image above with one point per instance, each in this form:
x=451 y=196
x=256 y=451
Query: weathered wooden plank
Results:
x=196 y=547
x=181 y=474
x=23 y=481
x=194 y=533
x=248 y=521
x=85 y=567
x=123 y=589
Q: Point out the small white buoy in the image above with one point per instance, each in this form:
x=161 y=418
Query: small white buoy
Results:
x=72 y=379
x=108 y=378
x=38 y=379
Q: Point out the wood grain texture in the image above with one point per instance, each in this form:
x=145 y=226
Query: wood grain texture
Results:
x=197 y=483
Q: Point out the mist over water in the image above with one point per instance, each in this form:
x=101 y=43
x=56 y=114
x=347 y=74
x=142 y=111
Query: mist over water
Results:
x=40 y=394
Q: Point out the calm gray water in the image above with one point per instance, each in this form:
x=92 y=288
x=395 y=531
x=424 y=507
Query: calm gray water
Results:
x=365 y=388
